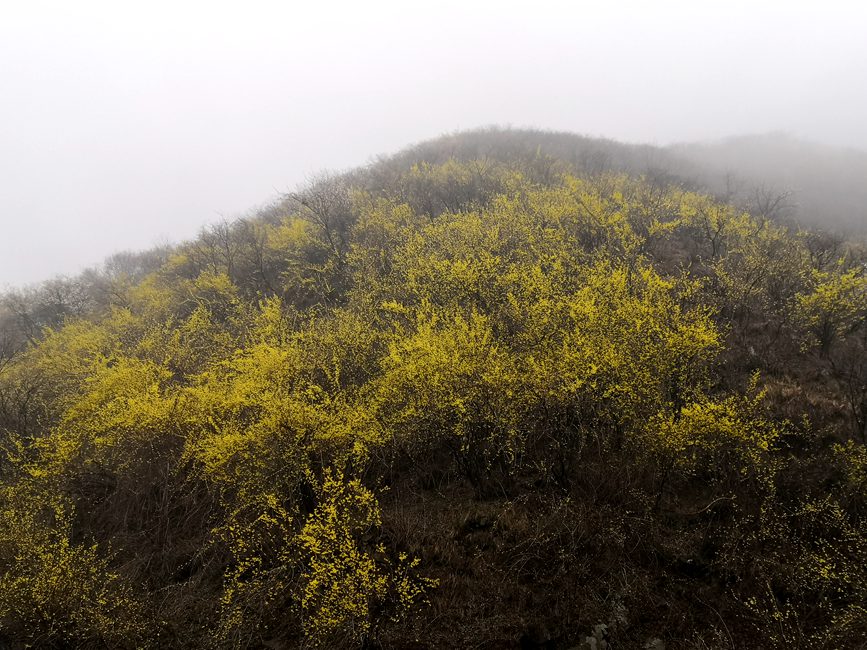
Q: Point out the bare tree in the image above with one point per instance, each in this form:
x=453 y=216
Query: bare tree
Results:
x=768 y=203
x=324 y=201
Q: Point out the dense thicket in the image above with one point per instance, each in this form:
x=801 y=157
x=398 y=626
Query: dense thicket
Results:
x=505 y=400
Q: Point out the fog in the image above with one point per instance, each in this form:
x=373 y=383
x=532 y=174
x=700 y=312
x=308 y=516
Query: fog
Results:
x=124 y=125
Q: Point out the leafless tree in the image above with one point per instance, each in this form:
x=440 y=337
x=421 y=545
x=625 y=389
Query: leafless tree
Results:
x=768 y=203
x=324 y=201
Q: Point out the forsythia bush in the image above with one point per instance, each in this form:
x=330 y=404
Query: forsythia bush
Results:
x=54 y=590
x=346 y=581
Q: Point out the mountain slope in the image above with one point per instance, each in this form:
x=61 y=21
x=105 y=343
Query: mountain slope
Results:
x=487 y=392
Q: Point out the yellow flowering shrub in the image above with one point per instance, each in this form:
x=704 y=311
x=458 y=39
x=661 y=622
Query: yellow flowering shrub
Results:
x=448 y=380
x=836 y=305
x=55 y=591
x=346 y=580
x=718 y=436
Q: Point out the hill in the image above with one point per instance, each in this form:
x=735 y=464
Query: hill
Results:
x=803 y=182
x=503 y=389
x=814 y=184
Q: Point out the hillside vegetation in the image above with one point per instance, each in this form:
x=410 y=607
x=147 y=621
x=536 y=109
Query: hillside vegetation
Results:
x=499 y=398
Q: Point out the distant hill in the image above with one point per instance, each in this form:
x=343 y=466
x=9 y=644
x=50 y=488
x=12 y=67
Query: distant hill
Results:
x=825 y=186
x=810 y=183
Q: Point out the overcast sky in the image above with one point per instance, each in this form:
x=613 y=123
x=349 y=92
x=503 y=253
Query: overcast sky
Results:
x=125 y=124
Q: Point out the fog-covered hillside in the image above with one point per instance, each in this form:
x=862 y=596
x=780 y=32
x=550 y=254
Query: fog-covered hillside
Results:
x=818 y=185
x=778 y=174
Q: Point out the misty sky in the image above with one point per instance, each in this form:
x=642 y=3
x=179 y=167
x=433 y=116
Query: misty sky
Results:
x=126 y=124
